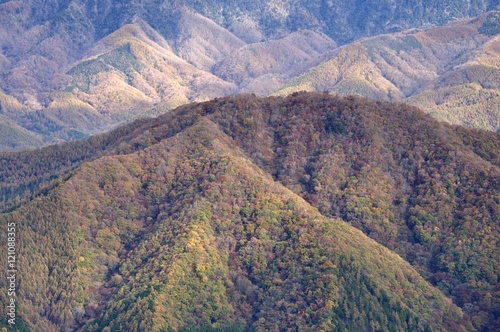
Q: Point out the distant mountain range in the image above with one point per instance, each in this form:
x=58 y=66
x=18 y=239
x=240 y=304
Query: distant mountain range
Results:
x=74 y=68
x=453 y=72
x=241 y=213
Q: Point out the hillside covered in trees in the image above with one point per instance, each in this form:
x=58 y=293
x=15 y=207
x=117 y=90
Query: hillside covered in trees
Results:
x=308 y=212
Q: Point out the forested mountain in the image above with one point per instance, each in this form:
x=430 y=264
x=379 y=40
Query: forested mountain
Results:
x=240 y=213
x=72 y=68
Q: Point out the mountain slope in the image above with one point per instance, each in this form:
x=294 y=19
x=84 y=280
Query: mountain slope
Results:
x=14 y=137
x=136 y=72
x=202 y=42
x=426 y=190
x=262 y=68
x=162 y=258
x=468 y=94
x=407 y=182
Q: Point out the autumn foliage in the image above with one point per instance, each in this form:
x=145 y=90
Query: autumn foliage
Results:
x=237 y=214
